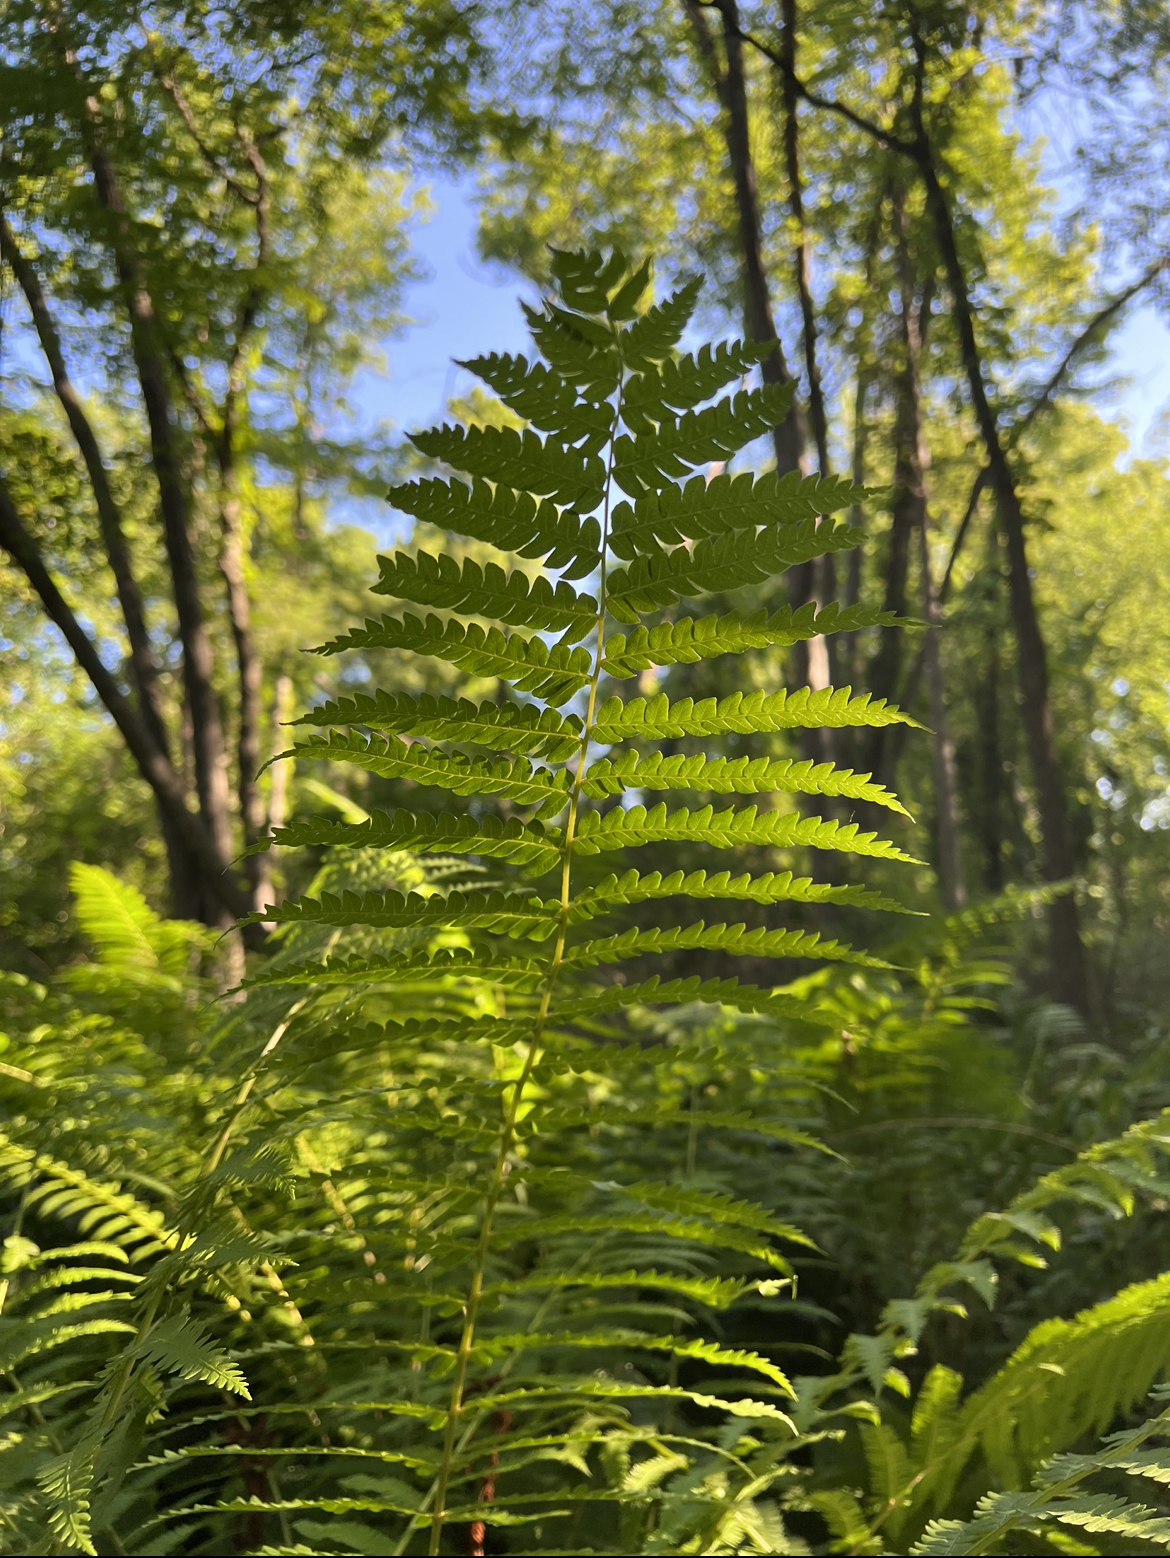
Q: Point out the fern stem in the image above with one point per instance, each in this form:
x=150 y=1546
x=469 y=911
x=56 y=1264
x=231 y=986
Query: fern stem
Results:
x=452 y=1442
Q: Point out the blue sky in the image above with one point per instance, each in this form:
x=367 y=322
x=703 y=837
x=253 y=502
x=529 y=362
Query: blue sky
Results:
x=463 y=308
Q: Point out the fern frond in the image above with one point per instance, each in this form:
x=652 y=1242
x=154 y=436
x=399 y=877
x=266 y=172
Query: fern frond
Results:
x=484 y=591
x=1056 y=1498
x=1066 y=1378
x=591 y=365
x=693 y=1230
x=731 y=776
x=657 y=719
x=103 y=1209
x=770 y=887
x=713 y=1292
x=390 y=758
x=657 y=991
x=685 y=642
x=519 y=460
x=685 y=382
x=500 y=727
x=530 y=845
x=652 y=337
x=403 y=968
x=180 y=1345
x=541 y=397
x=699 y=509
x=67 y=1481
x=720 y=563
x=511 y=914
x=654 y=459
x=512 y=521
x=736 y=939
x=553 y=673
x=709 y=1352
x=628 y=828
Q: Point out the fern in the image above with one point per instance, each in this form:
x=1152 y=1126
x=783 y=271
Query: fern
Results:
x=1059 y=1499
x=619 y=415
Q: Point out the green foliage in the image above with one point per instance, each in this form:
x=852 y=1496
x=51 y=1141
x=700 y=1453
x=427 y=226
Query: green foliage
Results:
x=1059 y=1497
x=531 y=1314
x=460 y=1218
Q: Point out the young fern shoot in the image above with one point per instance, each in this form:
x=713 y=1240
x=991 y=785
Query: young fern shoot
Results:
x=600 y=486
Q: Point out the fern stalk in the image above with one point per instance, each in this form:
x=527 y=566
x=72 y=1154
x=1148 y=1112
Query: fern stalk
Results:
x=555 y=964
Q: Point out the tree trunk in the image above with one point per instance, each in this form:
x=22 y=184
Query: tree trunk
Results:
x=152 y=764
x=231 y=558
x=198 y=661
x=1067 y=972
x=822 y=583
x=182 y=869
x=946 y=788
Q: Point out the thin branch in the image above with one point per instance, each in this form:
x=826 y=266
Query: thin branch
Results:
x=1101 y=317
x=174 y=91
x=885 y=138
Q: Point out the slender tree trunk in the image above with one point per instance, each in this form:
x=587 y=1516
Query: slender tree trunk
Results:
x=850 y=641
x=198 y=660
x=232 y=554
x=822 y=583
x=946 y=787
x=281 y=772
x=182 y=869
x=759 y=324
x=1067 y=972
x=989 y=777
x=152 y=764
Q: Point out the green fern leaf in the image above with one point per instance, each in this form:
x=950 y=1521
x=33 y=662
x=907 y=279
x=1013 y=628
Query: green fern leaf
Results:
x=425 y=1086
x=500 y=727
x=409 y=968
x=485 y=592
x=714 y=1292
x=686 y=382
x=526 y=844
x=180 y=1345
x=656 y=991
x=512 y=521
x=541 y=397
x=391 y=758
x=720 y=563
x=592 y=365
x=693 y=1230
x=653 y=460
x=726 y=504
x=67 y=1481
x=512 y=915
x=687 y=641
x=627 y=828
x=654 y=336
x=770 y=887
x=731 y=776
x=587 y=278
x=519 y=460
x=529 y=664
x=716 y=938
x=753 y=713
x=709 y=1352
